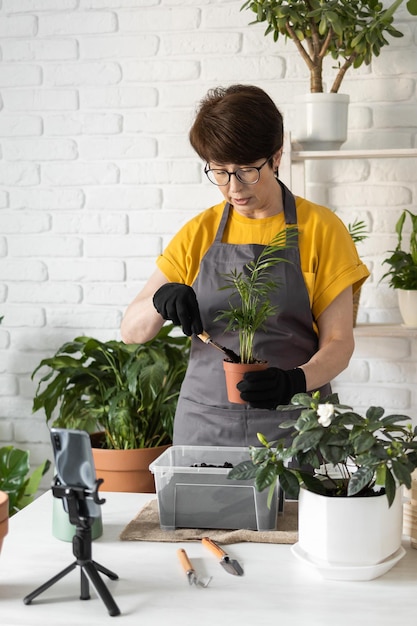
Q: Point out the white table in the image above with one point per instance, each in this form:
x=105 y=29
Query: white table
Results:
x=152 y=589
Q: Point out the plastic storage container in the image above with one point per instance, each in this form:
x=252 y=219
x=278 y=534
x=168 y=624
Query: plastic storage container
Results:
x=204 y=497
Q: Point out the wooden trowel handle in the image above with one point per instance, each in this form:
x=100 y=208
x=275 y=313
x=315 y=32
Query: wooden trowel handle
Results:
x=213 y=546
x=204 y=336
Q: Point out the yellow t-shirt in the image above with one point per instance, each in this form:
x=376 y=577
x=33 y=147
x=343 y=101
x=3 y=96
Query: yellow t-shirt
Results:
x=329 y=259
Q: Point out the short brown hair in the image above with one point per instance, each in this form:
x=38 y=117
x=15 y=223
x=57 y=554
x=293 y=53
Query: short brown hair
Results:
x=238 y=124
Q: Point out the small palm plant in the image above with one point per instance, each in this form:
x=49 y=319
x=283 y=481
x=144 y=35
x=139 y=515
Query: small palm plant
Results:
x=358 y=230
x=249 y=303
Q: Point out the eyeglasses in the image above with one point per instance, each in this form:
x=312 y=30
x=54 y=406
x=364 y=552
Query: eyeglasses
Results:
x=245 y=175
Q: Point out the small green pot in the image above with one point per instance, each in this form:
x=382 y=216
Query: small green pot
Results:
x=62 y=527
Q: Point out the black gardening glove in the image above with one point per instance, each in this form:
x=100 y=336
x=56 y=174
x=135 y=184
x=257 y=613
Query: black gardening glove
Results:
x=266 y=389
x=178 y=303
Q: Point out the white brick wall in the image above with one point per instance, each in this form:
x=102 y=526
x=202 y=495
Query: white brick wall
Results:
x=96 y=173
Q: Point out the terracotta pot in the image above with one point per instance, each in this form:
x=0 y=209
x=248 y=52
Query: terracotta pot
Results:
x=125 y=470
x=234 y=373
x=4 y=516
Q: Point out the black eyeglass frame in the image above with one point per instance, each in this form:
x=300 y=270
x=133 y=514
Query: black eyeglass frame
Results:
x=207 y=169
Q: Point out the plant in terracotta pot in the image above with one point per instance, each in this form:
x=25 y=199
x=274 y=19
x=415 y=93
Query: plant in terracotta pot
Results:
x=126 y=392
x=250 y=306
x=351 y=32
x=343 y=461
x=16 y=478
x=403 y=270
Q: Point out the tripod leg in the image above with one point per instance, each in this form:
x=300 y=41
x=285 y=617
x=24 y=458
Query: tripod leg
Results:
x=100 y=587
x=104 y=570
x=85 y=588
x=28 y=599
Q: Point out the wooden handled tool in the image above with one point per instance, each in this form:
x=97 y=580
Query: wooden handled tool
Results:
x=230 y=565
x=205 y=338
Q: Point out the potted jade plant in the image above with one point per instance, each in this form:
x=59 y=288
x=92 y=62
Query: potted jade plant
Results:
x=350 y=468
x=403 y=270
x=351 y=32
x=250 y=307
x=128 y=393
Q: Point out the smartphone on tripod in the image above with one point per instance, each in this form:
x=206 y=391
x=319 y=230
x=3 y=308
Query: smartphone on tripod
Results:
x=74 y=465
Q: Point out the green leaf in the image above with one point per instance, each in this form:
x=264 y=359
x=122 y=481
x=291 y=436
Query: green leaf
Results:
x=245 y=470
x=360 y=480
x=265 y=477
x=289 y=484
x=402 y=473
x=390 y=487
x=15 y=479
x=309 y=439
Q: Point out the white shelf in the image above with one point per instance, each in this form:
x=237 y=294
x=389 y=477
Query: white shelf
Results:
x=292 y=167
x=384 y=330
x=304 y=155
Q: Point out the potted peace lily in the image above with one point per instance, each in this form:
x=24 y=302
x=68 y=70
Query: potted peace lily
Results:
x=250 y=307
x=350 y=32
x=125 y=395
x=403 y=270
x=350 y=468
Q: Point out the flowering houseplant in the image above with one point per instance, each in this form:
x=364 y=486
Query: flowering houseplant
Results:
x=349 y=454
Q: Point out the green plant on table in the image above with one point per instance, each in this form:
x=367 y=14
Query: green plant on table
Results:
x=337 y=452
x=129 y=392
x=350 y=31
x=403 y=263
x=16 y=479
x=249 y=302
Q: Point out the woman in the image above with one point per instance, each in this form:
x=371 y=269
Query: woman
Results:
x=238 y=132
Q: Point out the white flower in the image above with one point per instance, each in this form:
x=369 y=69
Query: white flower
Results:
x=325 y=413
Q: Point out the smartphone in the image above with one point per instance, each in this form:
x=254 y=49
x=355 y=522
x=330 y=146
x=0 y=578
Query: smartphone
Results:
x=74 y=464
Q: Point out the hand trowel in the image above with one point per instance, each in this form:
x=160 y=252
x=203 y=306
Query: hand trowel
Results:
x=230 y=565
x=205 y=338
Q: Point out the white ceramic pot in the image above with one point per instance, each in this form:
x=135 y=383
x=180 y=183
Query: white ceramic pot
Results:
x=407 y=302
x=349 y=531
x=321 y=120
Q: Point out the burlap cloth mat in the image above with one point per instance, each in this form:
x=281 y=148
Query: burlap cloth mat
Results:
x=145 y=527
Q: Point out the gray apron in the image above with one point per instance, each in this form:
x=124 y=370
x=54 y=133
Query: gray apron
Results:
x=204 y=416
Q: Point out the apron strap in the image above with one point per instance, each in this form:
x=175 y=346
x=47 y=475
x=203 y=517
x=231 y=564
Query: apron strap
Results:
x=290 y=213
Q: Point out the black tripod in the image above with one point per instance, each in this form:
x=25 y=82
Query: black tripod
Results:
x=76 y=497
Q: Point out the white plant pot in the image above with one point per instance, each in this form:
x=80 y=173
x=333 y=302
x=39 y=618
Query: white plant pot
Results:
x=407 y=302
x=351 y=538
x=321 y=120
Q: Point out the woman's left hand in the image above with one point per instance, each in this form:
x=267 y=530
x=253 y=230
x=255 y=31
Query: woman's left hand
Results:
x=268 y=388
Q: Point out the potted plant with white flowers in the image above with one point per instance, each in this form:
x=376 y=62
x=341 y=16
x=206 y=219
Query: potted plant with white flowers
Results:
x=350 y=468
x=350 y=32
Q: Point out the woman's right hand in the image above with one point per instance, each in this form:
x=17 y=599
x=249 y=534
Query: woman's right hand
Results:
x=178 y=303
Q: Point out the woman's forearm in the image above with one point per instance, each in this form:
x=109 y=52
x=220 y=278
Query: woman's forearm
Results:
x=141 y=321
x=336 y=342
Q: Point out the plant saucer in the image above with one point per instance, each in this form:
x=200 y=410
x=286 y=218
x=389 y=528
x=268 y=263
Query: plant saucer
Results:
x=348 y=572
